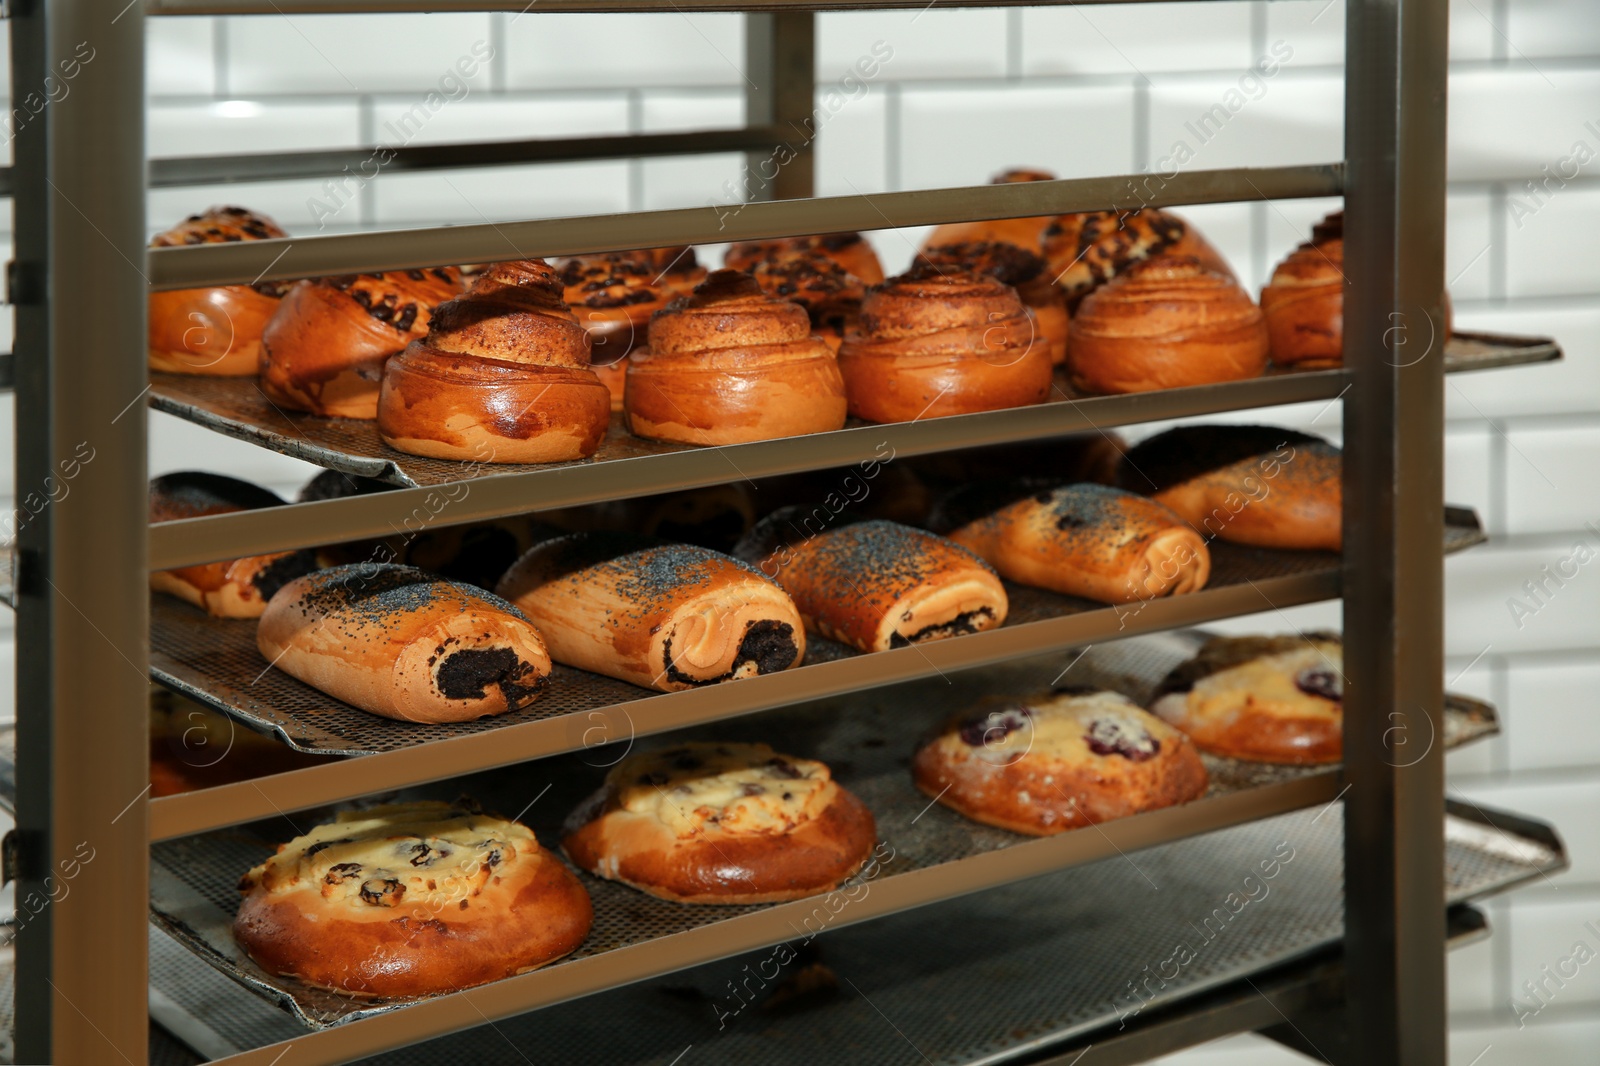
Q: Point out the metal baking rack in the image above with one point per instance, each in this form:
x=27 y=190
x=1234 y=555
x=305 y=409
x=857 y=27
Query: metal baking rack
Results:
x=83 y=608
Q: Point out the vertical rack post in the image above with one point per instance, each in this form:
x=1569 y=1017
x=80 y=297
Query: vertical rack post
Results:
x=1395 y=88
x=780 y=76
x=82 y=590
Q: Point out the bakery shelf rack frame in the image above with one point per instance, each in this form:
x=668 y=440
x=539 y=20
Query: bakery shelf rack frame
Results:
x=79 y=285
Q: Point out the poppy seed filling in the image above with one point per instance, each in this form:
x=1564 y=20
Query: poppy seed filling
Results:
x=467 y=674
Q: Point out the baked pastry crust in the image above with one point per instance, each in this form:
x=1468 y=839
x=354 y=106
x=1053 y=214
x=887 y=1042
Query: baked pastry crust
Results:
x=935 y=342
x=849 y=250
x=503 y=376
x=1272 y=699
x=1257 y=485
x=721 y=823
x=324 y=349
x=233 y=588
x=411 y=900
x=1057 y=761
x=1166 y=323
x=663 y=616
x=404 y=644
x=1024 y=233
x=1022 y=270
x=214 y=331
x=1084 y=540
x=830 y=294
x=731 y=364
x=1089 y=248
x=876 y=585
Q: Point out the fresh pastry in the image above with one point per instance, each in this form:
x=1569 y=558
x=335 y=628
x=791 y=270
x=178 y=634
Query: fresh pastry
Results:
x=1304 y=301
x=830 y=294
x=404 y=644
x=1165 y=323
x=410 y=900
x=942 y=342
x=849 y=250
x=1058 y=761
x=325 y=348
x=1025 y=233
x=1088 y=249
x=730 y=364
x=503 y=376
x=1268 y=699
x=1023 y=271
x=876 y=585
x=613 y=296
x=1083 y=540
x=721 y=823
x=217 y=330
x=1258 y=485
x=664 y=616
x=234 y=588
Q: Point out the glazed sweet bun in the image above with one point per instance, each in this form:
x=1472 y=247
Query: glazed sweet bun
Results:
x=830 y=294
x=1267 y=699
x=1256 y=485
x=398 y=642
x=1088 y=249
x=324 y=349
x=730 y=364
x=1058 y=761
x=677 y=267
x=721 y=823
x=876 y=585
x=1024 y=233
x=613 y=296
x=935 y=342
x=1023 y=271
x=411 y=900
x=663 y=616
x=1082 y=540
x=850 y=250
x=1165 y=323
x=234 y=588
x=503 y=376
x=213 y=331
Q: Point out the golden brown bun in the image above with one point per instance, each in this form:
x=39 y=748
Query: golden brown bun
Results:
x=1088 y=249
x=934 y=343
x=664 y=616
x=214 y=331
x=1257 y=485
x=849 y=250
x=1058 y=761
x=613 y=296
x=324 y=349
x=1088 y=540
x=404 y=644
x=721 y=823
x=503 y=376
x=410 y=900
x=731 y=364
x=1166 y=323
x=830 y=294
x=1268 y=699
x=1025 y=233
x=876 y=585
x=233 y=588
x=1023 y=271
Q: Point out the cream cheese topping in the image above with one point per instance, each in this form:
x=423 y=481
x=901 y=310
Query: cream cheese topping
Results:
x=1061 y=727
x=729 y=788
x=1277 y=684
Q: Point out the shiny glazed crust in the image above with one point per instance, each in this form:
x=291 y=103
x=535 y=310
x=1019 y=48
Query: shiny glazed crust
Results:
x=933 y=343
x=1091 y=541
x=731 y=364
x=1022 y=270
x=810 y=848
x=324 y=349
x=830 y=294
x=849 y=250
x=1166 y=323
x=401 y=643
x=1024 y=233
x=1088 y=249
x=613 y=296
x=1056 y=762
x=492 y=918
x=1304 y=305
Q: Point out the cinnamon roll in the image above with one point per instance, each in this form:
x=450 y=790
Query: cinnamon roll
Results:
x=849 y=250
x=1025 y=233
x=1089 y=248
x=1023 y=271
x=830 y=294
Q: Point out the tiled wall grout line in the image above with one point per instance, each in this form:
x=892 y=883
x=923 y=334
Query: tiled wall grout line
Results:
x=1014 y=43
x=502 y=53
x=892 y=122
x=1498 y=519
x=219 y=58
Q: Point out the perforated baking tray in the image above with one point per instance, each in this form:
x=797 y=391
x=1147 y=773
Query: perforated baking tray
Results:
x=867 y=739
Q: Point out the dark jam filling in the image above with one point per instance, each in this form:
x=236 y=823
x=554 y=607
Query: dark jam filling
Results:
x=1320 y=681
x=467 y=675
x=995 y=726
x=965 y=622
x=1106 y=737
x=768 y=644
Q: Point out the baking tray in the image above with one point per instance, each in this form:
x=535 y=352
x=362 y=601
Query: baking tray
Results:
x=867 y=739
x=216 y=663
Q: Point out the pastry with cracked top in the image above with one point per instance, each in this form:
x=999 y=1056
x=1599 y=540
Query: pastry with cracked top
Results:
x=830 y=294
x=721 y=823
x=324 y=349
x=1277 y=699
x=404 y=644
x=411 y=900
x=849 y=250
x=1089 y=248
x=233 y=588
x=664 y=616
x=1058 y=761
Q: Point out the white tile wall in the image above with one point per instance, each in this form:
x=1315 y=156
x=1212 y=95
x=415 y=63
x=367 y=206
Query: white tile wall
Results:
x=356 y=54
x=936 y=42
x=552 y=51
x=1112 y=39
x=1508 y=123
x=1544 y=251
x=1554 y=718
x=1292 y=118
x=1552 y=482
